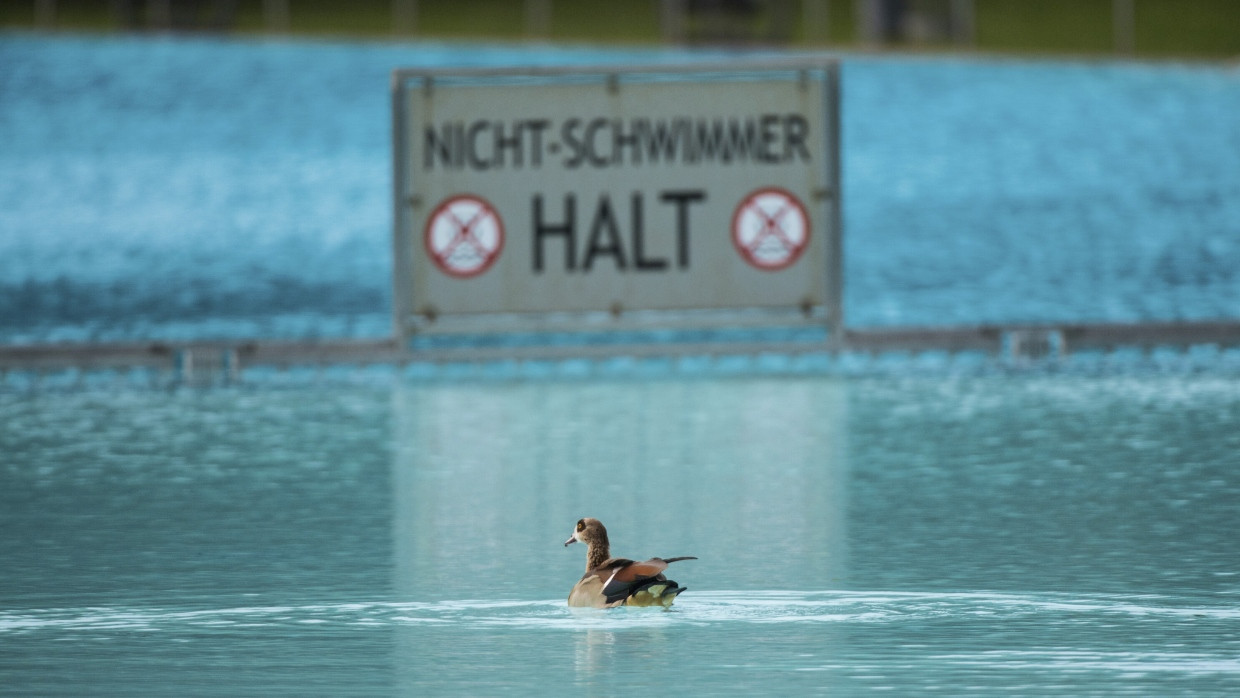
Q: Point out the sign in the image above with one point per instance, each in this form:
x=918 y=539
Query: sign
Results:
x=464 y=236
x=770 y=229
x=564 y=193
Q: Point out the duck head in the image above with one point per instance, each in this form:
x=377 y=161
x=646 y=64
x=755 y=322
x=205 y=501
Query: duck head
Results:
x=589 y=531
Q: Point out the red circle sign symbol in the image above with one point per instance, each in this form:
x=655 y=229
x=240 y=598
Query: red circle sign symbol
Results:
x=770 y=228
x=464 y=235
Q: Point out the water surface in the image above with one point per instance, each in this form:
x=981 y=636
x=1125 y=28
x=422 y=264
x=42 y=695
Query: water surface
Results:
x=920 y=526
x=181 y=188
x=1026 y=533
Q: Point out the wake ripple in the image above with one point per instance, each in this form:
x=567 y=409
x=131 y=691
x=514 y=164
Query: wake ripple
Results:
x=699 y=608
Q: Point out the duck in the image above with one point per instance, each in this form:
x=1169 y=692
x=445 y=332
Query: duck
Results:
x=610 y=582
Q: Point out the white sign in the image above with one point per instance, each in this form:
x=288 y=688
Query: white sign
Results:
x=569 y=192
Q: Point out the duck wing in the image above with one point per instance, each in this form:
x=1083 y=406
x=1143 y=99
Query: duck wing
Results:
x=628 y=577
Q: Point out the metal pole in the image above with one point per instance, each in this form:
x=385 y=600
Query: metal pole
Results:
x=45 y=13
x=673 y=21
x=537 y=18
x=816 y=16
x=402 y=214
x=159 y=14
x=878 y=21
x=276 y=15
x=863 y=21
x=232 y=366
x=835 y=247
x=405 y=17
x=964 y=22
x=1124 y=23
x=185 y=366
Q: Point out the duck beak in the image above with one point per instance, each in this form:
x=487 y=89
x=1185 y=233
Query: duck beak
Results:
x=571 y=539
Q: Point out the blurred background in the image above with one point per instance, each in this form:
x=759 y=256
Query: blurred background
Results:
x=208 y=169
x=1197 y=28
x=179 y=171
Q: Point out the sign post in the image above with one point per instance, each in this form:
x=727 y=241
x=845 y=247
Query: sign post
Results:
x=597 y=198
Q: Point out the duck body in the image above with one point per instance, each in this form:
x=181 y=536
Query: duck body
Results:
x=610 y=582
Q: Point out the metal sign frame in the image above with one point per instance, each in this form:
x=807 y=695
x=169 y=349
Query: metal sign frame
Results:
x=411 y=207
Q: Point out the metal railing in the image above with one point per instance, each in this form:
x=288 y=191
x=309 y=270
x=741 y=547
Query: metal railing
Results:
x=190 y=361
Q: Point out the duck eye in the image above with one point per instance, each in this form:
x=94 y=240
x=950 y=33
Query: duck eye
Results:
x=581 y=525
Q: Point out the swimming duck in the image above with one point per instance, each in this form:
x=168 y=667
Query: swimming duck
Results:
x=612 y=581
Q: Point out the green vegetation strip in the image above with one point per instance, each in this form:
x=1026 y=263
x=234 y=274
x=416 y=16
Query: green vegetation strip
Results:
x=1188 y=28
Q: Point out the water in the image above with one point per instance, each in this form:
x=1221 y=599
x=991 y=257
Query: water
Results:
x=201 y=188
x=934 y=525
x=1028 y=533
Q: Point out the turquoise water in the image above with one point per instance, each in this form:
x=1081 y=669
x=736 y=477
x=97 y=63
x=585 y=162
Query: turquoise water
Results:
x=937 y=524
x=194 y=187
x=1028 y=533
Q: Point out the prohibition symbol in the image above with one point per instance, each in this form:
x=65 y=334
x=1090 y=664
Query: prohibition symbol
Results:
x=770 y=228
x=464 y=235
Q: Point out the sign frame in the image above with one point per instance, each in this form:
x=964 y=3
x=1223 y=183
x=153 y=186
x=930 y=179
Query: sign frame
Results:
x=412 y=316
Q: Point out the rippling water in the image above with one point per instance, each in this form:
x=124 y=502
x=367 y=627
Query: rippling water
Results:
x=718 y=642
x=921 y=528
x=1028 y=533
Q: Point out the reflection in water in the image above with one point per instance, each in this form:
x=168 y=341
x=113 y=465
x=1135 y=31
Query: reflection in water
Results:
x=594 y=651
x=599 y=654
x=1039 y=532
x=747 y=475
x=733 y=473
